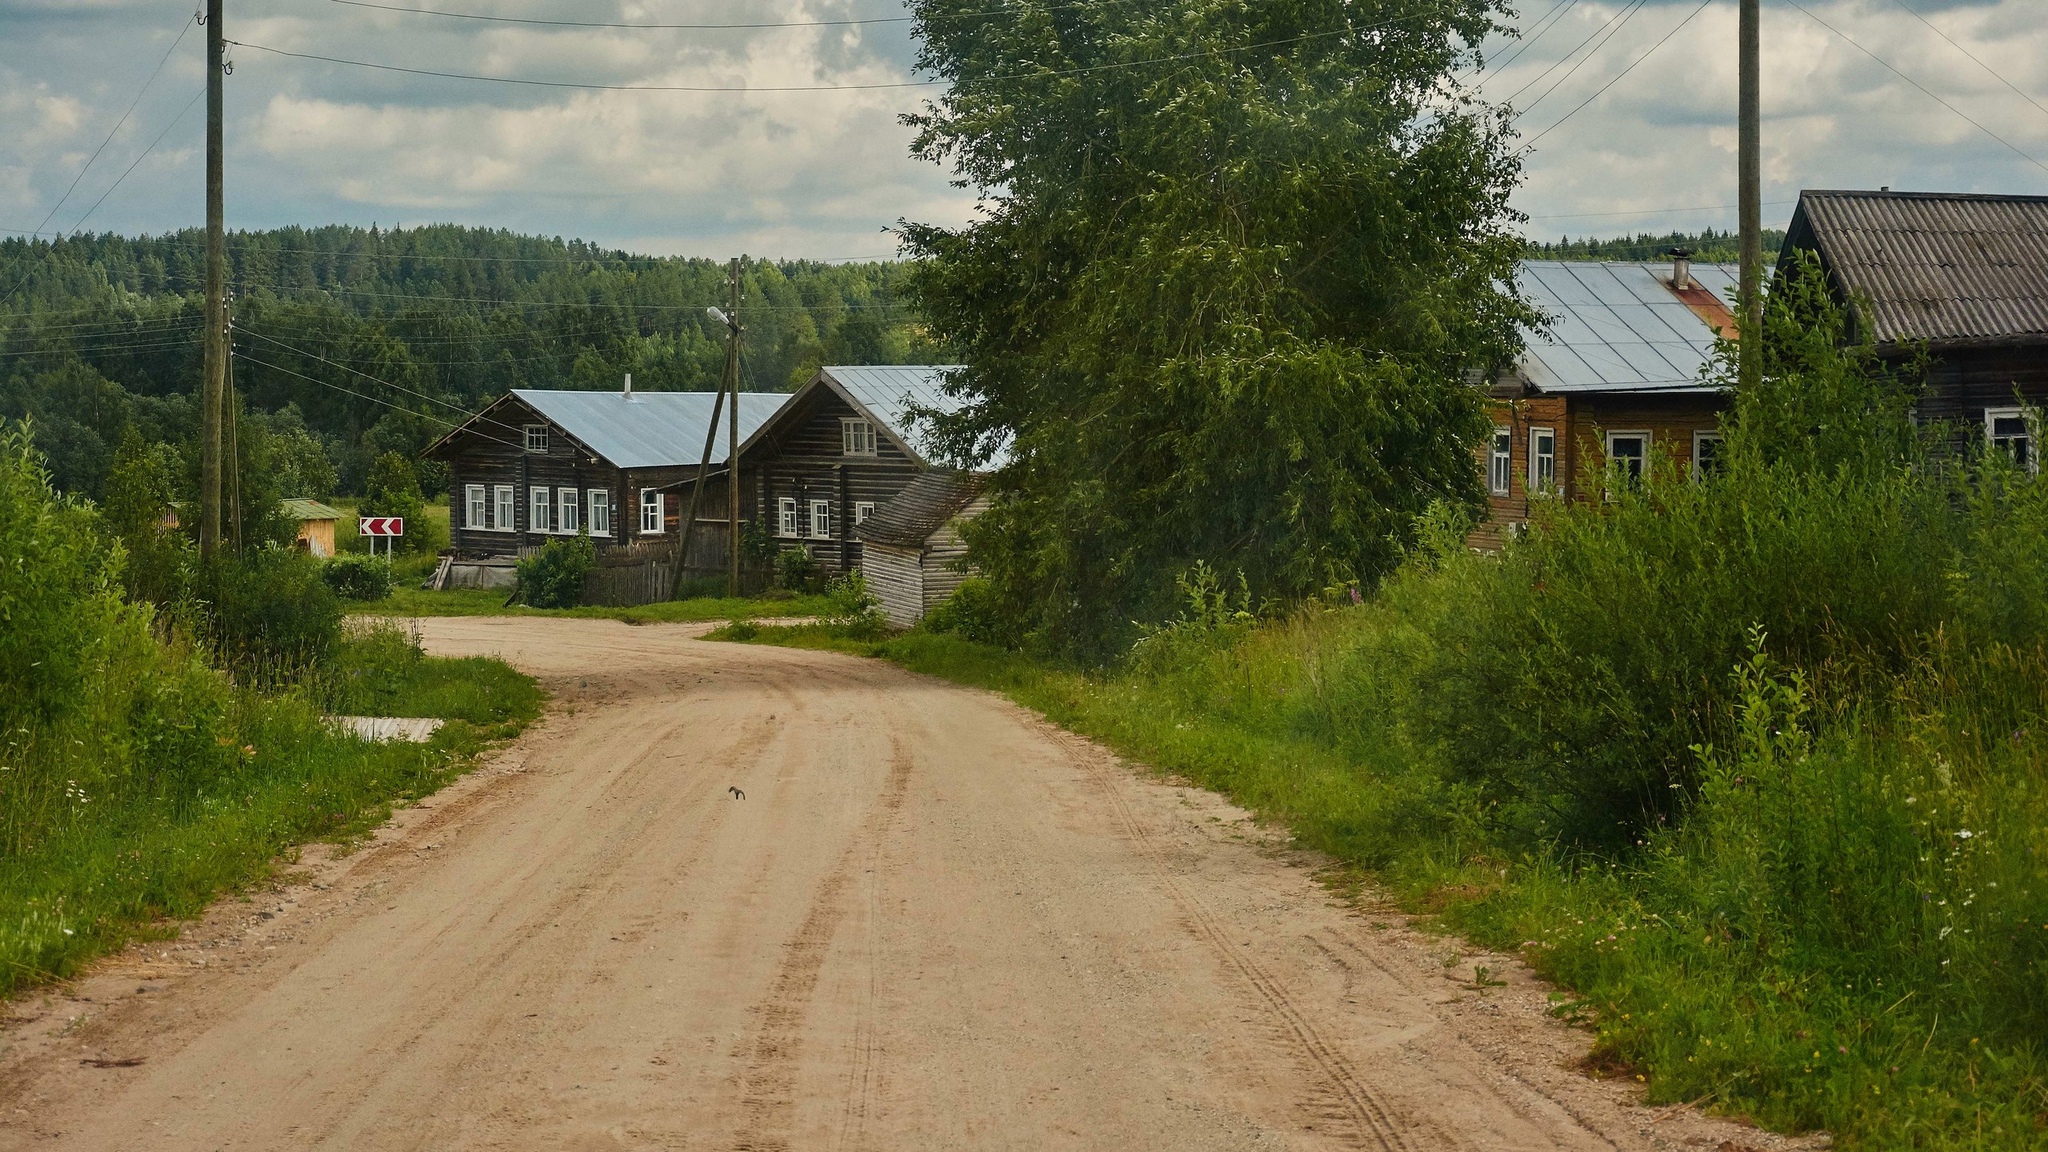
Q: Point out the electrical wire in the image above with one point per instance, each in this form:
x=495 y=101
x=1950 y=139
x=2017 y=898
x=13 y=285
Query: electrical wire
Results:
x=1553 y=17
x=466 y=413
x=1627 y=15
x=1655 y=211
x=371 y=399
x=701 y=27
x=1617 y=76
x=1972 y=55
x=183 y=28
x=1620 y=13
x=1915 y=83
x=138 y=160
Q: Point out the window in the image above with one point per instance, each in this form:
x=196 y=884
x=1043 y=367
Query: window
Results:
x=600 y=512
x=821 y=519
x=1501 y=464
x=565 y=510
x=1628 y=453
x=861 y=512
x=2012 y=433
x=508 y=512
x=536 y=437
x=857 y=437
x=537 y=504
x=785 y=516
x=1706 y=455
x=474 y=509
x=1542 y=459
x=652 y=514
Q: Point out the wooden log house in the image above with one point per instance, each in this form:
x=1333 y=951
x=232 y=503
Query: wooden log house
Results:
x=540 y=464
x=911 y=550
x=1965 y=277
x=1613 y=379
x=844 y=445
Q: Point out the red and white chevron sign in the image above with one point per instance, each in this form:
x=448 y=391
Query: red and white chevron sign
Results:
x=380 y=525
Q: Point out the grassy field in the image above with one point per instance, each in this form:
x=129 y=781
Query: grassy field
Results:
x=1696 y=968
x=277 y=776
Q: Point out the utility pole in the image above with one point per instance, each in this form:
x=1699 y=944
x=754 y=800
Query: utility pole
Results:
x=1750 y=197
x=732 y=436
x=213 y=382
x=728 y=380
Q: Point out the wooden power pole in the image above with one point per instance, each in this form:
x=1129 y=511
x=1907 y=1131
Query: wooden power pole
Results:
x=213 y=382
x=732 y=436
x=728 y=380
x=1750 y=197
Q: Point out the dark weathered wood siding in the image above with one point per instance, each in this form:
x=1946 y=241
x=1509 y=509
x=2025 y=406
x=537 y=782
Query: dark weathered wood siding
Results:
x=803 y=459
x=1963 y=382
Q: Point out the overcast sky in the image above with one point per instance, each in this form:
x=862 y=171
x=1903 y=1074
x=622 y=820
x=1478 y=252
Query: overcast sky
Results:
x=823 y=173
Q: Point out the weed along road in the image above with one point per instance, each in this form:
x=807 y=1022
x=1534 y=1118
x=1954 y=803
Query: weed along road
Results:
x=933 y=921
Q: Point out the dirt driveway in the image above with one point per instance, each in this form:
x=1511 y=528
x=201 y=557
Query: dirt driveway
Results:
x=933 y=922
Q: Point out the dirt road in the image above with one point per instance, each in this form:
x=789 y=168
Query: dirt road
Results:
x=933 y=922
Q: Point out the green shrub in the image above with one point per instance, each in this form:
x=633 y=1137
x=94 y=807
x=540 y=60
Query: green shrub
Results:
x=851 y=608
x=553 y=576
x=358 y=576
x=393 y=489
x=972 y=612
x=796 y=570
x=270 y=617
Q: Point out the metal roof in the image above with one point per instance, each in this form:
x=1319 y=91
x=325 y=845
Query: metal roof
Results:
x=300 y=508
x=890 y=391
x=1948 y=268
x=1617 y=327
x=649 y=429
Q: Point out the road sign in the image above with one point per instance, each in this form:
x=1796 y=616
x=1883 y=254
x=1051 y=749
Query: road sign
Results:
x=380 y=525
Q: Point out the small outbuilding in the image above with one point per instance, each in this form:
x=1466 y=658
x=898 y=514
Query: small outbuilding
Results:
x=316 y=525
x=911 y=550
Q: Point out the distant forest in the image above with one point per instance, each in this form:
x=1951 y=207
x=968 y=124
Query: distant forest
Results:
x=1708 y=247
x=353 y=342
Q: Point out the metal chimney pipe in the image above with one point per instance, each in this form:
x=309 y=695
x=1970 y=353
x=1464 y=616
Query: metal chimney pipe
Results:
x=629 y=386
x=1681 y=269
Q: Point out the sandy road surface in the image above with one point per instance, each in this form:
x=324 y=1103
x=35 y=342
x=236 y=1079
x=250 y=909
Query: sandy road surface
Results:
x=933 y=922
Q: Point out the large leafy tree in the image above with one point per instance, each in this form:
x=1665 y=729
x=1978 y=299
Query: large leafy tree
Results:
x=1237 y=265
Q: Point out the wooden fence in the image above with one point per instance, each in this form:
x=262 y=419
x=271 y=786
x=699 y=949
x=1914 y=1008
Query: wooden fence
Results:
x=646 y=573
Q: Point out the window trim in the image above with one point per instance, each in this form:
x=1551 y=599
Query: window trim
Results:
x=1703 y=436
x=505 y=506
x=786 y=525
x=476 y=511
x=862 y=509
x=568 y=510
x=1643 y=463
x=2032 y=436
x=820 y=510
x=596 y=501
x=655 y=501
x=540 y=508
x=1500 y=461
x=867 y=442
x=1536 y=482
x=536 y=439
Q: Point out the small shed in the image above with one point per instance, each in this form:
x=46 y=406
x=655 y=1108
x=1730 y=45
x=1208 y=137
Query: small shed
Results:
x=911 y=550
x=316 y=525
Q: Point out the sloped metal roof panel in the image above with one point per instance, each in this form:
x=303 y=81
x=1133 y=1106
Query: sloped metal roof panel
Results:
x=649 y=429
x=890 y=391
x=1936 y=266
x=1616 y=327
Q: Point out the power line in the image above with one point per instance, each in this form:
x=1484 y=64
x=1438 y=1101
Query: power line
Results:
x=466 y=413
x=244 y=356
x=1625 y=10
x=138 y=160
x=183 y=28
x=1915 y=83
x=1653 y=211
x=700 y=27
x=1627 y=15
x=1554 y=17
x=1971 y=55
x=1617 y=76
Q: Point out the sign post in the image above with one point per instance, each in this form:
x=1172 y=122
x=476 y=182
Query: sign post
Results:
x=388 y=527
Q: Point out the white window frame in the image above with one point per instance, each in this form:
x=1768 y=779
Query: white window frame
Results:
x=1542 y=463
x=1500 y=460
x=2030 y=454
x=540 y=503
x=568 y=511
x=821 y=520
x=862 y=509
x=598 y=511
x=785 y=518
x=537 y=439
x=1700 y=438
x=475 y=512
x=857 y=437
x=1642 y=463
x=653 y=512
x=504 y=509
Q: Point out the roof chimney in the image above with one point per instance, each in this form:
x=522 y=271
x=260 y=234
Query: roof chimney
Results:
x=1681 y=269
x=629 y=386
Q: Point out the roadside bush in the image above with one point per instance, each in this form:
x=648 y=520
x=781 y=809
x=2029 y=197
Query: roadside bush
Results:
x=393 y=489
x=357 y=576
x=270 y=617
x=553 y=576
x=972 y=612
x=796 y=570
x=852 y=608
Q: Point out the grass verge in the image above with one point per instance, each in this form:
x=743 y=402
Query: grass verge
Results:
x=414 y=601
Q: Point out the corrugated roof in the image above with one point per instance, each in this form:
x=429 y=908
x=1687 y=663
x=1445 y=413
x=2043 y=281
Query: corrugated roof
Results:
x=653 y=429
x=910 y=517
x=300 y=508
x=1617 y=327
x=890 y=391
x=1948 y=268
